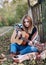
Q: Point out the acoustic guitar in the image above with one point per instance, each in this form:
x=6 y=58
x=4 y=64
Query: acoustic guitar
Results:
x=22 y=39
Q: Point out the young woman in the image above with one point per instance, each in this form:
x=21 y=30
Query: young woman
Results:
x=32 y=31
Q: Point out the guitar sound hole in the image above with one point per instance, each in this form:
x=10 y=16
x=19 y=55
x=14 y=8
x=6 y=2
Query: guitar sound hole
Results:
x=20 y=36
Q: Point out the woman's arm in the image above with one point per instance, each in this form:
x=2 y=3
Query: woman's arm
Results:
x=34 y=36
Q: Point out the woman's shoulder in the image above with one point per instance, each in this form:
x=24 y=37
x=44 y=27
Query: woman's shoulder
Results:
x=34 y=28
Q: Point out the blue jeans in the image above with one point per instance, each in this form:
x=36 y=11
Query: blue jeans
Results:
x=14 y=47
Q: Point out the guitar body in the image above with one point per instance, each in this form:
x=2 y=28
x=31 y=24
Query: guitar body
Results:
x=21 y=41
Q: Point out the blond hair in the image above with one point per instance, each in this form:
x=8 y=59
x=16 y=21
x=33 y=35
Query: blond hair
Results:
x=30 y=22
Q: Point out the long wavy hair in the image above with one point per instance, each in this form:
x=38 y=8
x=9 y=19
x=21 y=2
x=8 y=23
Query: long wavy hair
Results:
x=30 y=23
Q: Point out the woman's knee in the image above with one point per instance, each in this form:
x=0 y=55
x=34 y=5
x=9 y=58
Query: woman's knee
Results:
x=13 y=47
x=34 y=49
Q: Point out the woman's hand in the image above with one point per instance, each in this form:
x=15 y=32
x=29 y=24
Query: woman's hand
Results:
x=30 y=43
x=19 y=33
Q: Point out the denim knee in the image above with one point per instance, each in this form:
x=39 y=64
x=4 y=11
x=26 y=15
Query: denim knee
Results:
x=34 y=49
x=13 y=48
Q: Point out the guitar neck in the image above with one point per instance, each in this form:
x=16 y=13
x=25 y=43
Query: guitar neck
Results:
x=38 y=44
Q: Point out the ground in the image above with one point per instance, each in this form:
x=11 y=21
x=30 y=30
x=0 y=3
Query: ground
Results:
x=4 y=48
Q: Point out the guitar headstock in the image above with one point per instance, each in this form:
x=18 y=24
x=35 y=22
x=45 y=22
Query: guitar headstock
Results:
x=19 y=27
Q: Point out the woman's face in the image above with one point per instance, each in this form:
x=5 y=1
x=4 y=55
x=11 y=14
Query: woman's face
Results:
x=26 y=23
